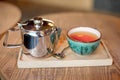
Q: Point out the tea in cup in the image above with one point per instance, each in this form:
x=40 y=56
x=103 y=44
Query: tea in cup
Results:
x=83 y=40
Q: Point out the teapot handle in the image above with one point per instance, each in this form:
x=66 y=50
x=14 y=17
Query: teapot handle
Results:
x=5 y=44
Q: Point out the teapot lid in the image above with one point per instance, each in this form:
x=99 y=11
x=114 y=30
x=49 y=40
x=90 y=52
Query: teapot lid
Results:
x=38 y=24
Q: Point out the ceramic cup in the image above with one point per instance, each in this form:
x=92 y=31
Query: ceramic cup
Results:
x=81 y=47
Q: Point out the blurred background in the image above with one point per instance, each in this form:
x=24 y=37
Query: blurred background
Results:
x=32 y=8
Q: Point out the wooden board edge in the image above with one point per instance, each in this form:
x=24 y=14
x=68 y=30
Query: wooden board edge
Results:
x=106 y=49
x=49 y=64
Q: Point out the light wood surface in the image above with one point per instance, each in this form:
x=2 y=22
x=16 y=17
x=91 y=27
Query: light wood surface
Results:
x=110 y=29
x=9 y=16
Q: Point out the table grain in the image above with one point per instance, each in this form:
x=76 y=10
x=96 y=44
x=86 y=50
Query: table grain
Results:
x=110 y=29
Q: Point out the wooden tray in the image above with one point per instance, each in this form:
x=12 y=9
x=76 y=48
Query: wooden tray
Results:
x=101 y=57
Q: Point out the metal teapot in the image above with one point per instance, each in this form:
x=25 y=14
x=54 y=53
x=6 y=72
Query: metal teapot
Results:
x=39 y=36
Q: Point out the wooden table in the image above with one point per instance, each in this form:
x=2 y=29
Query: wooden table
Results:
x=110 y=29
x=9 y=16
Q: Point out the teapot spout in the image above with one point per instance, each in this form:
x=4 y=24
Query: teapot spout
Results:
x=21 y=24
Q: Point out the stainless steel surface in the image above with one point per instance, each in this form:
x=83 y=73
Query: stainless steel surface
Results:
x=39 y=37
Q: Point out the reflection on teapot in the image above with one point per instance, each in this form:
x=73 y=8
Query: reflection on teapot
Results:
x=39 y=36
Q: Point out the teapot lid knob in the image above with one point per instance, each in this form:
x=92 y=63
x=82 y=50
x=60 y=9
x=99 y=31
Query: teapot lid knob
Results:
x=38 y=21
